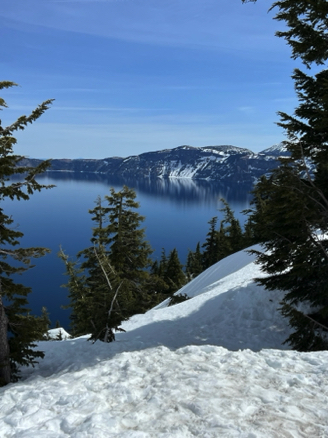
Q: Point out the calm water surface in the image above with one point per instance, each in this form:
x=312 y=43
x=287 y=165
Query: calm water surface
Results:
x=177 y=212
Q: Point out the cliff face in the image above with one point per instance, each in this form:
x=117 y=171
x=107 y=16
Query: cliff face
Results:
x=216 y=163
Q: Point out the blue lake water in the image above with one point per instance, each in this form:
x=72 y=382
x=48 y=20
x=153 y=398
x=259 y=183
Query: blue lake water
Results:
x=177 y=212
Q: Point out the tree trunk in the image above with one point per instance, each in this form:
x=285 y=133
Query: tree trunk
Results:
x=4 y=347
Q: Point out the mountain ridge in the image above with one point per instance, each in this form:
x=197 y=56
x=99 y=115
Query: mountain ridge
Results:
x=215 y=163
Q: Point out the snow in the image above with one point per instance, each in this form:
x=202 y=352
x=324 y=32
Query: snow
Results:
x=211 y=366
x=276 y=150
x=58 y=333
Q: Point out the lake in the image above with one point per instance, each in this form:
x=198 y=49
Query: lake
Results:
x=176 y=213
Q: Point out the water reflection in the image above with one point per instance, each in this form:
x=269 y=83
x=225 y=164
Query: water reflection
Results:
x=177 y=190
x=176 y=214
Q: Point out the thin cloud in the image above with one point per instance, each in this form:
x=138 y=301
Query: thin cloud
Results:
x=129 y=137
x=208 y=24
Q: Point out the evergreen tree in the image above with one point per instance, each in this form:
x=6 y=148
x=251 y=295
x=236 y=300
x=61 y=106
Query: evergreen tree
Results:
x=162 y=264
x=194 y=264
x=129 y=251
x=225 y=241
x=18 y=329
x=232 y=229
x=156 y=286
x=90 y=295
x=224 y=244
x=80 y=297
x=296 y=259
x=174 y=276
x=211 y=245
x=249 y=237
x=197 y=266
x=112 y=282
x=291 y=206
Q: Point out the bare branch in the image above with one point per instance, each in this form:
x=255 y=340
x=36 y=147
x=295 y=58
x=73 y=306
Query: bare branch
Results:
x=103 y=269
x=108 y=329
x=314 y=321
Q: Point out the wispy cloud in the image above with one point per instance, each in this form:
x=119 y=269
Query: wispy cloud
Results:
x=172 y=22
x=247 y=109
x=135 y=75
x=125 y=137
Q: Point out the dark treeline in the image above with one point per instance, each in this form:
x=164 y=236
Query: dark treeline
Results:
x=222 y=239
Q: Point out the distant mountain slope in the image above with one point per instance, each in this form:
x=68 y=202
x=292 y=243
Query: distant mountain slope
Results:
x=217 y=163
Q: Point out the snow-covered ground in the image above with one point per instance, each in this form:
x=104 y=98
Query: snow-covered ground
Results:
x=212 y=366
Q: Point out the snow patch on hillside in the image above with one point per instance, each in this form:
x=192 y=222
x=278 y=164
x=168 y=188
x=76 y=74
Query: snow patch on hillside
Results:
x=174 y=373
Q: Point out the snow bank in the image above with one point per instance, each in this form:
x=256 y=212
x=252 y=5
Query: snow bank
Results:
x=227 y=309
x=173 y=374
x=195 y=391
x=58 y=334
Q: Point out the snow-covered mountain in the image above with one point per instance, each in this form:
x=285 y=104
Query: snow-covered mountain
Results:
x=277 y=150
x=217 y=163
x=212 y=366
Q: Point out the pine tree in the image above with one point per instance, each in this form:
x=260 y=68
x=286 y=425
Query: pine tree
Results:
x=18 y=329
x=194 y=264
x=155 y=285
x=225 y=241
x=211 y=245
x=249 y=237
x=80 y=297
x=174 y=276
x=224 y=244
x=291 y=206
x=286 y=221
x=197 y=266
x=112 y=282
x=230 y=231
x=129 y=251
x=162 y=264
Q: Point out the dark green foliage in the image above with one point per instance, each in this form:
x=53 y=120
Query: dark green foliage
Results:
x=167 y=275
x=112 y=282
x=179 y=298
x=288 y=212
x=291 y=206
x=225 y=241
x=155 y=290
x=174 y=276
x=231 y=235
x=161 y=270
x=308 y=329
x=249 y=236
x=79 y=297
x=307 y=23
x=129 y=251
x=18 y=329
x=194 y=264
x=211 y=245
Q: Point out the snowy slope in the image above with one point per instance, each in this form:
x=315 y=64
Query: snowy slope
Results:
x=217 y=163
x=228 y=309
x=197 y=369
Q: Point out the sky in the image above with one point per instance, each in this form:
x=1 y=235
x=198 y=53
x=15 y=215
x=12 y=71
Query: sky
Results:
x=212 y=366
x=131 y=76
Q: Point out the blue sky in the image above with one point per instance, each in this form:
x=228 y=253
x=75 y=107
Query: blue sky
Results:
x=130 y=76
